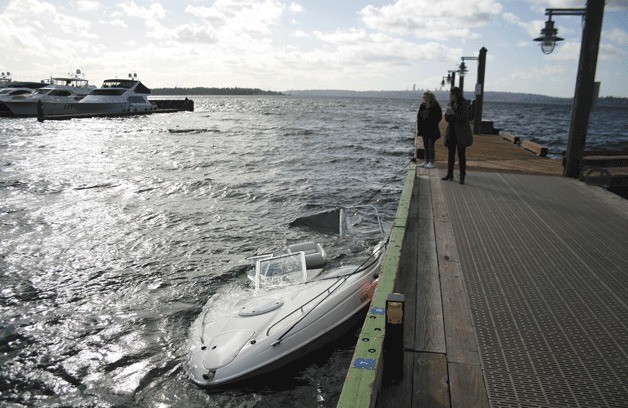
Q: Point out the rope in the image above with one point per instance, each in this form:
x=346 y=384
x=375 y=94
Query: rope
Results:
x=387 y=183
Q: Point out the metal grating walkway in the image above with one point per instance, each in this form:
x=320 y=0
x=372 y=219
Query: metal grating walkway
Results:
x=545 y=264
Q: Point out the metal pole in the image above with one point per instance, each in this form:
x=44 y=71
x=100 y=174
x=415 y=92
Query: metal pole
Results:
x=479 y=91
x=583 y=96
x=462 y=84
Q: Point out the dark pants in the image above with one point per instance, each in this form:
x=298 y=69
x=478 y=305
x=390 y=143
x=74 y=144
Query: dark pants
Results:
x=428 y=146
x=462 y=159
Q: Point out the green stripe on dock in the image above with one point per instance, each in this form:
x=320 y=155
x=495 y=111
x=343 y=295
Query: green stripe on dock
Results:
x=365 y=373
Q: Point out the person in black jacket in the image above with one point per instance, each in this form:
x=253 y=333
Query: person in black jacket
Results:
x=458 y=135
x=427 y=120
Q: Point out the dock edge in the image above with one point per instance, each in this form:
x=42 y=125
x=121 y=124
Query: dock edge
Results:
x=364 y=378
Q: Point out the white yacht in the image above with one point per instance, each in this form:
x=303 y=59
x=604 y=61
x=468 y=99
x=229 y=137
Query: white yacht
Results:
x=10 y=89
x=295 y=303
x=117 y=97
x=56 y=98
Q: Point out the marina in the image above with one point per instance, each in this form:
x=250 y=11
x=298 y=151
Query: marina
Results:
x=116 y=232
x=71 y=97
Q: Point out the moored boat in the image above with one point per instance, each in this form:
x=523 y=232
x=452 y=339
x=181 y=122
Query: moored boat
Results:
x=10 y=89
x=296 y=302
x=57 y=98
x=117 y=97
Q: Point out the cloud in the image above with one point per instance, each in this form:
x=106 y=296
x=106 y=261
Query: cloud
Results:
x=296 y=8
x=72 y=25
x=241 y=15
x=442 y=19
x=118 y=23
x=617 y=35
x=533 y=28
x=88 y=5
x=155 y=11
x=207 y=13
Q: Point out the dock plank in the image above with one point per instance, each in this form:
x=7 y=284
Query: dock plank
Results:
x=430 y=329
x=432 y=379
x=460 y=338
x=467 y=386
x=399 y=395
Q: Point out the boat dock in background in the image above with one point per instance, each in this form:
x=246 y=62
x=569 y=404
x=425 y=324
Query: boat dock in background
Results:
x=161 y=106
x=514 y=290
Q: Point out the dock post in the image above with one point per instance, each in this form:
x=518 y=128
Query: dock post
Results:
x=40 y=111
x=393 y=340
x=479 y=92
x=585 y=84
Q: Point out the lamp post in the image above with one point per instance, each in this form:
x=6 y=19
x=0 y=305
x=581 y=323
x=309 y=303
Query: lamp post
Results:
x=451 y=78
x=479 y=87
x=583 y=96
x=462 y=69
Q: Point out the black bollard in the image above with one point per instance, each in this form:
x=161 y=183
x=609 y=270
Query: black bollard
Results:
x=393 y=341
x=40 y=111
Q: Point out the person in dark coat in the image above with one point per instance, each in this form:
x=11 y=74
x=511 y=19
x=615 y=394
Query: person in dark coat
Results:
x=427 y=120
x=458 y=135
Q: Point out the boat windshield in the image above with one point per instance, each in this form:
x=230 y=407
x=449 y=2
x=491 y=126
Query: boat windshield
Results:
x=110 y=92
x=283 y=270
x=60 y=92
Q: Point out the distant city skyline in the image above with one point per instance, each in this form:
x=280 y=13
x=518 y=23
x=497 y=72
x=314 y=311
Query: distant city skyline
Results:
x=281 y=45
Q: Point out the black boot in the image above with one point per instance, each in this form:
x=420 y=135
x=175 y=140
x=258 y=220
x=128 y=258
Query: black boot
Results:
x=461 y=179
x=448 y=177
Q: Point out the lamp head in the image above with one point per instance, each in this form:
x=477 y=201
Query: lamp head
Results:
x=462 y=70
x=548 y=37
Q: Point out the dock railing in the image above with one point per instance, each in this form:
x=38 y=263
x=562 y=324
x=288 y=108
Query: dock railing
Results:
x=364 y=377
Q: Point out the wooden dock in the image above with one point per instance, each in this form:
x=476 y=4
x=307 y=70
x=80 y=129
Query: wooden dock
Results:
x=516 y=289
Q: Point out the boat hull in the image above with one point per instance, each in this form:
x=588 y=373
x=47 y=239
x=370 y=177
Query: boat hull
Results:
x=29 y=109
x=258 y=349
x=115 y=108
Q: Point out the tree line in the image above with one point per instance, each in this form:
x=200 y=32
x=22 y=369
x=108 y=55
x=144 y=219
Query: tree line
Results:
x=199 y=90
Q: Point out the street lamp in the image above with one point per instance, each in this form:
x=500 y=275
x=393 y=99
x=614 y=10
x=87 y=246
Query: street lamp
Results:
x=585 y=81
x=549 y=37
x=479 y=86
x=451 y=78
x=462 y=70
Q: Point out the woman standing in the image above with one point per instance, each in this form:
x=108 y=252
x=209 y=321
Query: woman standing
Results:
x=427 y=120
x=458 y=135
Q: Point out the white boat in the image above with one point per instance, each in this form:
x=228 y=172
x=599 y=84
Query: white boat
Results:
x=6 y=94
x=57 y=98
x=10 y=89
x=117 y=97
x=296 y=302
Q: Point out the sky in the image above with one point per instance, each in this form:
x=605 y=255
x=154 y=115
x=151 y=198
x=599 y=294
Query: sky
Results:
x=282 y=45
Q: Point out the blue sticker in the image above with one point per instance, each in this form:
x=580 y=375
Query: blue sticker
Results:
x=365 y=363
x=378 y=310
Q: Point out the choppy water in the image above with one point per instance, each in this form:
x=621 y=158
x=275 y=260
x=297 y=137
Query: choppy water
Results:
x=549 y=125
x=115 y=232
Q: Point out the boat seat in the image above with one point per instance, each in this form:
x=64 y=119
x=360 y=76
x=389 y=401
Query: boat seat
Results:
x=315 y=255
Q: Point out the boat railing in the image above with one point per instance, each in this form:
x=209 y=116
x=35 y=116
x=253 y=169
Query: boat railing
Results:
x=331 y=289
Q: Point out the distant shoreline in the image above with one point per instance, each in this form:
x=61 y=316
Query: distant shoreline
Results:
x=212 y=91
x=489 y=96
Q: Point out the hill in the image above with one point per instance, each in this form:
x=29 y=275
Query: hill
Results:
x=442 y=95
